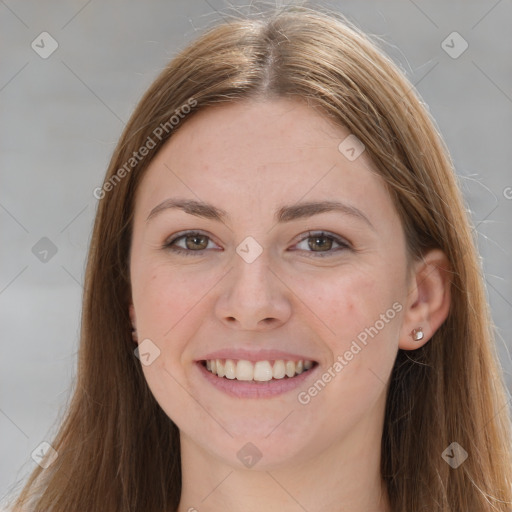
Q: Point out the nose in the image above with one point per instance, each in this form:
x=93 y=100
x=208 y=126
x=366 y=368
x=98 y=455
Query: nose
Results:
x=253 y=296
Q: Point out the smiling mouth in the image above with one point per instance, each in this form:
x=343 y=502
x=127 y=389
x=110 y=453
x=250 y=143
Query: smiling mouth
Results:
x=259 y=371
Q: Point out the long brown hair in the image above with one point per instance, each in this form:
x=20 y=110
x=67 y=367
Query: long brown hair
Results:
x=117 y=449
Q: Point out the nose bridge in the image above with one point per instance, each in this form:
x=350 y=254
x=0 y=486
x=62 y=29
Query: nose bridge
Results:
x=251 y=296
x=252 y=267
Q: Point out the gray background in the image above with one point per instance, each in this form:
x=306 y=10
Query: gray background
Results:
x=61 y=117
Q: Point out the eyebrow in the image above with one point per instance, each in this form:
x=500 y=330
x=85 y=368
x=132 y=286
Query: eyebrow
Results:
x=286 y=213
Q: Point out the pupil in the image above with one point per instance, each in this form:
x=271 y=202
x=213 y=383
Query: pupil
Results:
x=320 y=238
x=195 y=238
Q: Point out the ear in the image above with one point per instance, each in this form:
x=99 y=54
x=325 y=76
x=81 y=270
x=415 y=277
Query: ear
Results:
x=428 y=300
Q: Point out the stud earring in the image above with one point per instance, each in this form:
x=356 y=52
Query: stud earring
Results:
x=417 y=334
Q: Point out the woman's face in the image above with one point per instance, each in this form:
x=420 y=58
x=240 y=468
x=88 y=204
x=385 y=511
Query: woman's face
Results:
x=265 y=287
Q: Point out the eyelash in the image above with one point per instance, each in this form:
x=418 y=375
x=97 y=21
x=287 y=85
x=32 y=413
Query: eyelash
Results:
x=310 y=234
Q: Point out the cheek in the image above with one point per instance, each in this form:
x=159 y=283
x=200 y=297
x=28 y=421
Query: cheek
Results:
x=352 y=300
x=164 y=296
x=359 y=318
x=166 y=300
x=171 y=304
x=360 y=324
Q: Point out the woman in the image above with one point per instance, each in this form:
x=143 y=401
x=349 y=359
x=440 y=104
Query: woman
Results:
x=283 y=305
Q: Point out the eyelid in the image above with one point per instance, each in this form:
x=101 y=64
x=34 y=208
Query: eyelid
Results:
x=182 y=234
x=322 y=232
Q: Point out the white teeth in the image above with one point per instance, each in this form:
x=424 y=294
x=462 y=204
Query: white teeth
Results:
x=230 y=369
x=260 y=371
x=244 y=370
x=220 y=368
x=290 y=368
x=279 y=370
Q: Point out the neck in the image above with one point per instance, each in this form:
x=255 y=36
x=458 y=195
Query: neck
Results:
x=345 y=476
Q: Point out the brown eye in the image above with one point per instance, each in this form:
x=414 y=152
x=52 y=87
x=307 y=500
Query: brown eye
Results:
x=318 y=244
x=194 y=243
x=322 y=244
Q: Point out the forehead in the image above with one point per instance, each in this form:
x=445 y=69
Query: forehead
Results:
x=254 y=155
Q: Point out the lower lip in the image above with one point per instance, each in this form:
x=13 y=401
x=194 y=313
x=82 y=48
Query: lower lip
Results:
x=255 y=389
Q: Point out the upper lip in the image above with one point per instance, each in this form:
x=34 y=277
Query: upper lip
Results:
x=254 y=355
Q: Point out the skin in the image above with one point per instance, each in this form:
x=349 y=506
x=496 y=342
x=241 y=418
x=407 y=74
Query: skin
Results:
x=249 y=159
